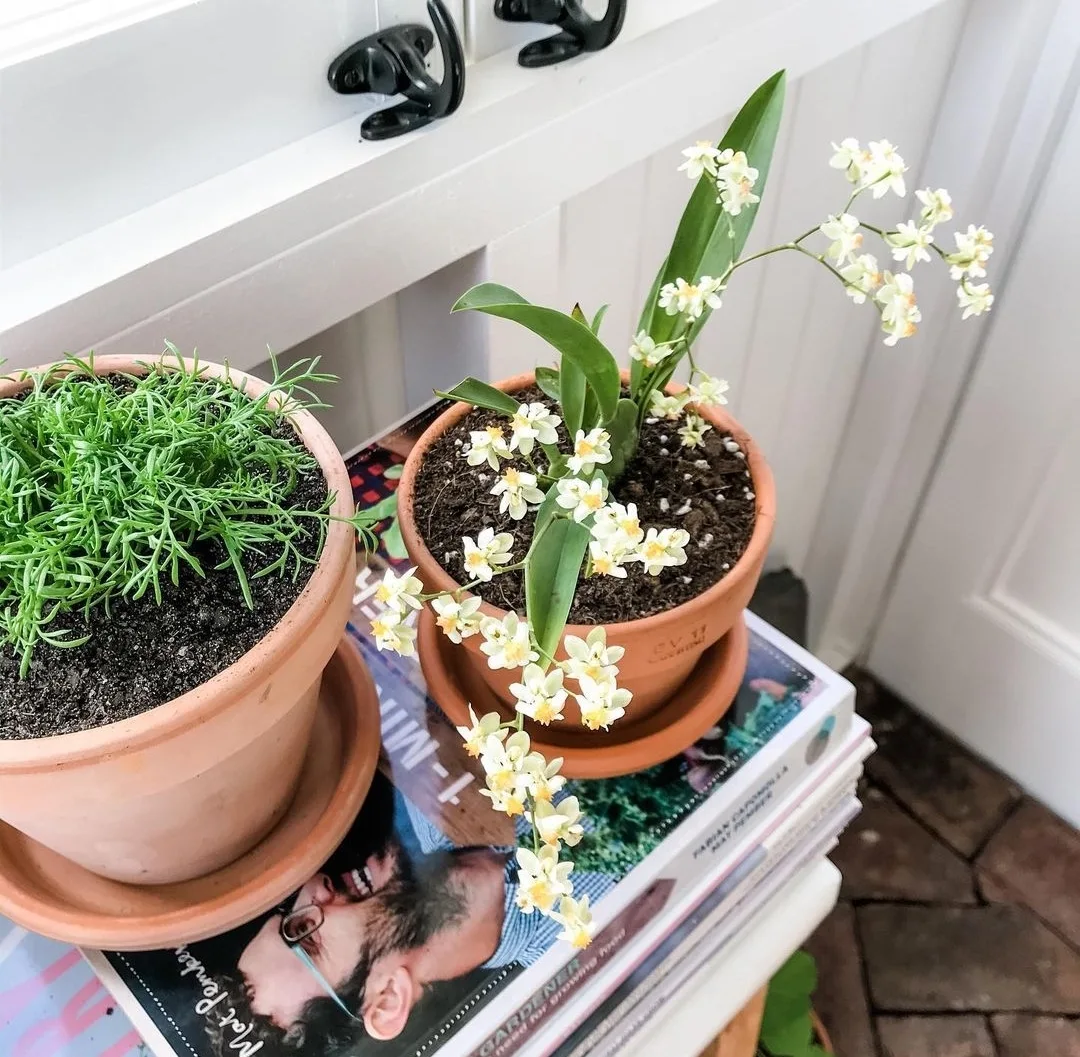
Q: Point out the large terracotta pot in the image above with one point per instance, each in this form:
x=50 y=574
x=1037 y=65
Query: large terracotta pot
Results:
x=193 y=784
x=661 y=650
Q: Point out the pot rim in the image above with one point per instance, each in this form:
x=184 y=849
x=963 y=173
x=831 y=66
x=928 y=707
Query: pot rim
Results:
x=268 y=654
x=764 y=515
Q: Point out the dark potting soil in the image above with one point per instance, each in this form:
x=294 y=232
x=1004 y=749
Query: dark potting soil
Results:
x=144 y=654
x=705 y=492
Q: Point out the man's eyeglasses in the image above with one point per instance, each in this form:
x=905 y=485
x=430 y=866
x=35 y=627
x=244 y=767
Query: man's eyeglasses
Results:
x=298 y=925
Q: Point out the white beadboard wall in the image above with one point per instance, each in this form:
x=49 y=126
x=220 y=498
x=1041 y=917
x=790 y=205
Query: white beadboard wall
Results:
x=789 y=341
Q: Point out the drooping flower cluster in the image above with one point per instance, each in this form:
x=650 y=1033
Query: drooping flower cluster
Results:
x=537 y=472
x=734 y=176
x=880 y=169
x=617 y=535
x=521 y=783
x=518 y=779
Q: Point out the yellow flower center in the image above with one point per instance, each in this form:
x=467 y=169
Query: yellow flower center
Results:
x=516 y=652
x=540 y=893
x=630 y=525
x=383 y=592
x=500 y=781
x=592 y=500
x=474 y=559
x=545 y=712
x=579 y=937
x=603 y=565
x=514 y=806
x=654 y=550
x=583 y=448
x=494 y=433
x=512 y=478
x=447 y=623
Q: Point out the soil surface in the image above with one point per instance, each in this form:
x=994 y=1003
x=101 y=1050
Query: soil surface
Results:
x=144 y=654
x=706 y=491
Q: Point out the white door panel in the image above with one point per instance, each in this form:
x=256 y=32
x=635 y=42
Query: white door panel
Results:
x=983 y=627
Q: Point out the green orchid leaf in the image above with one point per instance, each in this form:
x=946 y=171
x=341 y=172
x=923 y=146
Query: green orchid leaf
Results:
x=545 y=513
x=573 y=339
x=656 y=382
x=480 y=394
x=392 y=541
x=572 y=389
x=637 y=368
x=594 y=326
x=552 y=569
x=548 y=380
x=624 y=436
x=708 y=239
x=487 y=295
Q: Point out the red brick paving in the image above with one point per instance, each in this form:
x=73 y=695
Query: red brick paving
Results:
x=967 y=898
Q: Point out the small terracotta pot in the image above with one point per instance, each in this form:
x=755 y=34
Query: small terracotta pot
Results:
x=191 y=785
x=661 y=650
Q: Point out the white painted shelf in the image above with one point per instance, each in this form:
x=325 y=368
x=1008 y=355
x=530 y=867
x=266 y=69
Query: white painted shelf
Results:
x=739 y=970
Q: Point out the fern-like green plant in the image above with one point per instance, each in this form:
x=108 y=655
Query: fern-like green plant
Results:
x=111 y=486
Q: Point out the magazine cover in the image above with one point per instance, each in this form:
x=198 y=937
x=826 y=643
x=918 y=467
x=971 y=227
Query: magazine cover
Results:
x=418 y=927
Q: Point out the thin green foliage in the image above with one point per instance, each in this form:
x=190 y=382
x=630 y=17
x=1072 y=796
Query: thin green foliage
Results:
x=109 y=489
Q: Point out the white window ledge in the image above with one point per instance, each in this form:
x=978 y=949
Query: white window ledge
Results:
x=279 y=248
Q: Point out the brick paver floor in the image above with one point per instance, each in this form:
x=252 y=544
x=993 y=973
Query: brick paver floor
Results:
x=958 y=929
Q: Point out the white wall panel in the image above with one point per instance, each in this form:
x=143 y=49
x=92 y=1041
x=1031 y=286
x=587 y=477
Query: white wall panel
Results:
x=365 y=352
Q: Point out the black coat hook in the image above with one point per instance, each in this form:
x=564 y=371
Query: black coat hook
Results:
x=392 y=62
x=580 y=31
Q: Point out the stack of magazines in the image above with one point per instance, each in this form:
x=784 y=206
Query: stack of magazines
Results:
x=422 y=950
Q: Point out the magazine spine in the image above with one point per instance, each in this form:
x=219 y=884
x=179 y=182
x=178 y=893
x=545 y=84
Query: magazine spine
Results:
x=714 y=903
x=720 y=921
x=703 y=847
x=691 y=959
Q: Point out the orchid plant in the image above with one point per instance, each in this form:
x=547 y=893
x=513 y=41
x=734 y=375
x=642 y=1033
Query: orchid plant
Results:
x=556 y=460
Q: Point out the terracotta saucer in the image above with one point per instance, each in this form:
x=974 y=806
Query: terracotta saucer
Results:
x=46 y=893
x=627 y=747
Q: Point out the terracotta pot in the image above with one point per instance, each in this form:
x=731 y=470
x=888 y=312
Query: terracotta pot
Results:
x=661 y=650
x=193 y=784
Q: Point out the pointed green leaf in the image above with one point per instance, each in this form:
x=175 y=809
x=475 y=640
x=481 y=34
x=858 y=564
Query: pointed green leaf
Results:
x=546 y=512
x=384 y=508
x=707 y=239
x=486 y=295
x=624 y=436
x=594 y=326
x=548 y=380
x=551 y=578
x=480 y=394
x=574 y=340
x=392 y=541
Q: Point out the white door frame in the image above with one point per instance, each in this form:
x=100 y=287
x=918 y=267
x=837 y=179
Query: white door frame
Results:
x=1016 y=69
